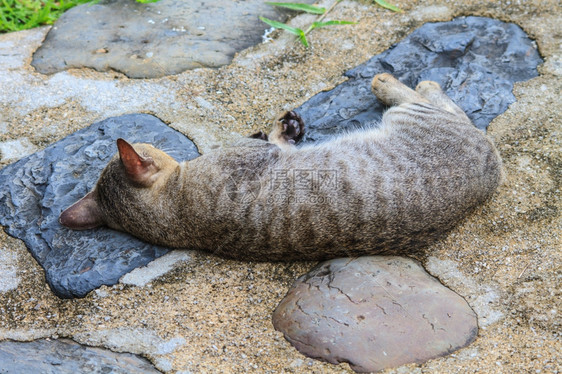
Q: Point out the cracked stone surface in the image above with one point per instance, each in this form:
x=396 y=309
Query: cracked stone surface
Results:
x=67 y=357
x=40 y=186
x=374 y=313
x=153 y=40
x=476 y=61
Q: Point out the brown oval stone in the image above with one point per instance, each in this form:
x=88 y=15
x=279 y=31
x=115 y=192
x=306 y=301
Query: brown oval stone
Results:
x=374 y=313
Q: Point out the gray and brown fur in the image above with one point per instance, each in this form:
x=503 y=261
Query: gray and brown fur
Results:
x=398 y=187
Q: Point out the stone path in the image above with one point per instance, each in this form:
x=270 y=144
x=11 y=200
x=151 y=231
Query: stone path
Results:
x=503 y=259
x=77 y=262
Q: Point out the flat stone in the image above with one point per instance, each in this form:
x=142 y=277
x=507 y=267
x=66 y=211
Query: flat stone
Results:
x=153 y=40
x=374 y=313
x=475 y=59
x=67 y=357
x=36 y=189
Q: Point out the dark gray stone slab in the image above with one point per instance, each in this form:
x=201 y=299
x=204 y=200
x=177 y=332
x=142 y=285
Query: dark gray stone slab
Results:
x=476 y=60
x=37 y=188
x=67 y=357
x=374 y=313
x=153 y=40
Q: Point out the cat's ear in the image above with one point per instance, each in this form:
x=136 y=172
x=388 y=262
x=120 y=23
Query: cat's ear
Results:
x=140 y=170
x=82 y=215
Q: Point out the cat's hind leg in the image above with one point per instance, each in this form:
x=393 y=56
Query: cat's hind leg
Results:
x=287 y=130
x=433 y=92
x=390 y=91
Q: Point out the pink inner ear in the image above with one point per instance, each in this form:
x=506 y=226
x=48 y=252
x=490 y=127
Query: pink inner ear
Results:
x=139 y=169
x=132 y=161
x=82 y=215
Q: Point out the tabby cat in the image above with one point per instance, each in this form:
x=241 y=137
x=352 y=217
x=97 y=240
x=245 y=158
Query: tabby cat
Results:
x=393 y=189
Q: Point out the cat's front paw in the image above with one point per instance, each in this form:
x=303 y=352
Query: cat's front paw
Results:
x=291 y=127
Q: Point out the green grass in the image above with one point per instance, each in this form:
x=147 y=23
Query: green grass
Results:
x=301 y=34
x=18 y=15
x=321 y=12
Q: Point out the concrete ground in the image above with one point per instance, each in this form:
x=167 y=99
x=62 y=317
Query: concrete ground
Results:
x=193 y=312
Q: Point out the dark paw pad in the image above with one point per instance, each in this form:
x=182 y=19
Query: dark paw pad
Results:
x=293 y=127
x=259 y=135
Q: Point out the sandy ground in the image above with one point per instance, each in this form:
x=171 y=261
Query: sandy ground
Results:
x=206 y=314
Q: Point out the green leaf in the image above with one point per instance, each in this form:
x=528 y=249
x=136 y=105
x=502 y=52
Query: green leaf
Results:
x=316 y=25
x=280 y=25
x=293 y=30
x=302 y=7
x=302 y=38
x=386 y=5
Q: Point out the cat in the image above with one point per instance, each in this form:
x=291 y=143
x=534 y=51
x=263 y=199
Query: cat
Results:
x=393 y=189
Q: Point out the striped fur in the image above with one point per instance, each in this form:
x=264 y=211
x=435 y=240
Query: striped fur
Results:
x=391 y=189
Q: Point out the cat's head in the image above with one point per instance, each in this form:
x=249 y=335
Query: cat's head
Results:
x=127 y=185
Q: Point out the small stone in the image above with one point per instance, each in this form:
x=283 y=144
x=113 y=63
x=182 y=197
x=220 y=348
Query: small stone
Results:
x=13 y=150
x=142 y=276
x=374 y=312
x=9 y=279
x=431 y=13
